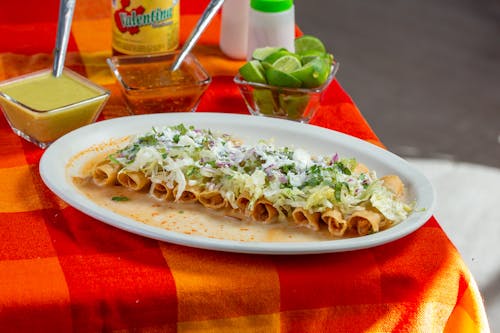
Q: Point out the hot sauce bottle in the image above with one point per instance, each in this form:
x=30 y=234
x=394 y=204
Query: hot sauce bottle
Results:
x=145 y=26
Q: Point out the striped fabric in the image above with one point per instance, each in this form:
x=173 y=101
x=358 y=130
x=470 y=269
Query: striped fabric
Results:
x=62 y=271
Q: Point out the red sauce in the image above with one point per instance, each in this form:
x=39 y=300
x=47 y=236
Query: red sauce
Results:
x=154 y=88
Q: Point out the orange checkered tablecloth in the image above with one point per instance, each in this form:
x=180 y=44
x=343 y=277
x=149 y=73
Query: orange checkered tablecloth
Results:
x=61 y=270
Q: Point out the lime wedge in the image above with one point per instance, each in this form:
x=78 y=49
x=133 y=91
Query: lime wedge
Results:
x=313 y=54
x=279 y=78
x=294 y=105
x=329 y=59
x=287 y=64
x=264 y=101
x=308 y=43
x=253 y=71
x=273 y=57
x=313 y=74
x=263 y=52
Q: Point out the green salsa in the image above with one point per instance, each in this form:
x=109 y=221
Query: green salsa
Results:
x=46 y=92
x=41 y=108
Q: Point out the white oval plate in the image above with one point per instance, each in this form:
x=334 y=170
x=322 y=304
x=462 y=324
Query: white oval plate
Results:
x=317 y=140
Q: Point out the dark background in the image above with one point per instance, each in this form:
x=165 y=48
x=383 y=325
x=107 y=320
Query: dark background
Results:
x=425 y=74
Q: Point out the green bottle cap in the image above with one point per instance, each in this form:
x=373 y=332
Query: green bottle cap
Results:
x=271 y=6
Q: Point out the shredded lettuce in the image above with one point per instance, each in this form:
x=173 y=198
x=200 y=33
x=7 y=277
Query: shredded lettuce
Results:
x=183 y=155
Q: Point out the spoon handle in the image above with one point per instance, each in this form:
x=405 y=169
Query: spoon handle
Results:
x=66 y=9
x=203 y=22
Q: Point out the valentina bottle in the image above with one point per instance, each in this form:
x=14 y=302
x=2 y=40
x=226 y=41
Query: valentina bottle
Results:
x=145 y=26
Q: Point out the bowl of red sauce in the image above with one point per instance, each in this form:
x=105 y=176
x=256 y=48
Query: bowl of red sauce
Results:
x=148 y=85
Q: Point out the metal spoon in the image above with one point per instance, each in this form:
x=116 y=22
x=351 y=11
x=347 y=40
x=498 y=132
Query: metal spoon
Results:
x=203 y=22
x=66 y=9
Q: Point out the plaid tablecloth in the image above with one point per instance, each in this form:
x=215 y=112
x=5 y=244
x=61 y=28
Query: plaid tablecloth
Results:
x=62 y=271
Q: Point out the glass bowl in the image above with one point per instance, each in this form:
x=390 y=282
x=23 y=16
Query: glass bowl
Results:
x=298 y=104
x=149 y=86
x=41 y=108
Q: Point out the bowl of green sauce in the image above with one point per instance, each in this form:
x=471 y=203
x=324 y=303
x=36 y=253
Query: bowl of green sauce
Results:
x=41 y=107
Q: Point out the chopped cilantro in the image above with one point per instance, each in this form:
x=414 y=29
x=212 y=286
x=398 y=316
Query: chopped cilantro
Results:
x=364 y=180
x=113 y=159
x=344 y=169
x=288 y=168
x=149 y=140
x=176 y=138
x=181 y=128
x=313 y=181
x=338 y=190
x=314 y=176
x=120 y=198
x=191 y=170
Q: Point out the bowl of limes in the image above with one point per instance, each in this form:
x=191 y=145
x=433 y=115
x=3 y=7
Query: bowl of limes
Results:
x=283 y=84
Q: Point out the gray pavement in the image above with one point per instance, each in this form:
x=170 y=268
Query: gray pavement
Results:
x=426 y=75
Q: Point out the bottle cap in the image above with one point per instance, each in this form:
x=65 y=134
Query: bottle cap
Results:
x=271 y=6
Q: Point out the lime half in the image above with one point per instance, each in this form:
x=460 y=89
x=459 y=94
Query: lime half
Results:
x=253 y=71
x=264 y=101
x=308 y=43
x=294 y=105
x=273 y=57
x=314 y=73
x=263 y=52
x=313 y=54
x=287 y=64
x=279 y=78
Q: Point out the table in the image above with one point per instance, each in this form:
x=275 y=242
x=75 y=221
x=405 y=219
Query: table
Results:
x=62 y=271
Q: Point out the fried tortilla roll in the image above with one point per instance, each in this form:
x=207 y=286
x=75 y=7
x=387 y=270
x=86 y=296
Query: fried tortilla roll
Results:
x=303 y=217
x=160 y=191
x=365 y=221
x=394 y=184
x=360 y=168
x=134 y=180
x=285 y=211
x=337 y=226
x=264 y=211
x=234 y=213
x=189 y=195
x=212 y=199
x=242 y=201
x=105 y=173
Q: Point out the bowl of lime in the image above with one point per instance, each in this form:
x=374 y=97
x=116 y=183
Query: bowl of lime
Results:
x=283 y=84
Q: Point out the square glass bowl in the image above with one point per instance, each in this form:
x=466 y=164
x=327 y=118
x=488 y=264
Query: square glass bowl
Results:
x=298 y=104
x=149 y=86
x=41 y=108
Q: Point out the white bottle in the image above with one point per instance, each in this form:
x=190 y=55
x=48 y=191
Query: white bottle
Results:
x=234 y=28
x=271 y=23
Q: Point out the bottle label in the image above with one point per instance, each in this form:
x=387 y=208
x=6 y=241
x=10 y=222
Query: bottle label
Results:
x=143 y=27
